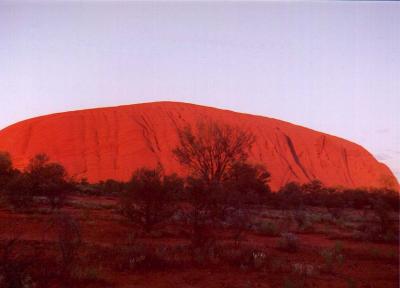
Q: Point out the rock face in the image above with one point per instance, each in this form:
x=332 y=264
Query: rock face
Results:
x=104 y=143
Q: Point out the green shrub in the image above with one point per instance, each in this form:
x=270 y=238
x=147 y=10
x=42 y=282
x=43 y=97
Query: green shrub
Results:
x=18 y=192
x=148 y=200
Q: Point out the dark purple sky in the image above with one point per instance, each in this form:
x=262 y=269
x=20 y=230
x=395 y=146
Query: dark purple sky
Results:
x=330 y=66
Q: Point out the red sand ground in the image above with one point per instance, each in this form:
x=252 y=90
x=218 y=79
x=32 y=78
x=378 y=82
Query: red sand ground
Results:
x=112 y=142
x=103 y=226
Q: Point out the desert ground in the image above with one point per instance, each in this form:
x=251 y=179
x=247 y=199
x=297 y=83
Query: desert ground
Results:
x=327 y=251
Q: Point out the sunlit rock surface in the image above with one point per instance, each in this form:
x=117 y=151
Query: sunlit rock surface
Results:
x=104 y=143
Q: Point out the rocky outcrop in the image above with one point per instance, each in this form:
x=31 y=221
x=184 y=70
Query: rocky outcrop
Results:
x=103 y=143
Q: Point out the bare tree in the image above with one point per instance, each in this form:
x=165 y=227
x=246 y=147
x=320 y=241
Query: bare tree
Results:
x=221 y=179
x=212 y=149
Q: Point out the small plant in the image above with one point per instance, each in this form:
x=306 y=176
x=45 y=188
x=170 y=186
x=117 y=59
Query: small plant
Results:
x=335 y=212
x=293 y=283
x=351 y=283
x=131 y=238
x=268 y=229
x=307 y=227
x=259 y=259
x=288 y=242
x=392 y=254
x=327 y=254
x=85 y=273
x=278 y=265
x=338 y=247
x=289 y=284
x=381 y=209
x=86 y=214
x=139 y=257
x=375 y=253
x=304 y=269
x=300 y=217
x=68 y=233
x=15 y=267
x=316 y=217
x=332 y=256
x=303 y=221
x=244 y=257
x=204 y=253
x=340 y=259
x=390 y=237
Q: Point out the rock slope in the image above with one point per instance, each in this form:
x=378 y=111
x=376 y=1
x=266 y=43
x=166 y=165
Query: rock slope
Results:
x=104 y=143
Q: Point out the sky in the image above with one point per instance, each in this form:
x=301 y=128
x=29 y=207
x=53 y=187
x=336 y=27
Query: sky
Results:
x=329 y=66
